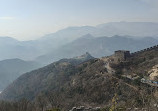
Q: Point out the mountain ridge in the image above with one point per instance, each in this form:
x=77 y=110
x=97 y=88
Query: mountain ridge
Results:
x=89 y=83
x=97 y=46
x=10 y=69
x=53 y=41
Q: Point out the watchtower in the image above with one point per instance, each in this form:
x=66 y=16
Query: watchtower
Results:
x=121 y=55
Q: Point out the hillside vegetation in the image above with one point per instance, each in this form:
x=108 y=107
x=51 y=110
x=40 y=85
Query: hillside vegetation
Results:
x=66 y=83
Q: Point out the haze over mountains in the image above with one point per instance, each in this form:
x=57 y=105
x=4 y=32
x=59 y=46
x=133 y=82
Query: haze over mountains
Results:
x=10 y=69
x=29 y=50
x=97 y=47
x=101 y=40
x=50 y=67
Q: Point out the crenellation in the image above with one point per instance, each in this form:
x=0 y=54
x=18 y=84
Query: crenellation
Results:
x=123 y=55
x=147 y=49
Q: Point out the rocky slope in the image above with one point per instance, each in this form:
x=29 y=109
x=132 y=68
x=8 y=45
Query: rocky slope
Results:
x=154 y=73
x=67 y=83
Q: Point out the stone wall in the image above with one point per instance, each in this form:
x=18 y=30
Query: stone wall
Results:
x=123 y=55
x=144 y=50
x=120 y=56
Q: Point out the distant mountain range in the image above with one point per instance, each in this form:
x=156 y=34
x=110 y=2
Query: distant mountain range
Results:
x=71 y=42
x=11 y=48
x=29 y=50
x=97 y=47
x=10 y=69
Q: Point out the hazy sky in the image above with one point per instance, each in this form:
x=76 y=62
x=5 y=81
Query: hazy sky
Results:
x=30 y=19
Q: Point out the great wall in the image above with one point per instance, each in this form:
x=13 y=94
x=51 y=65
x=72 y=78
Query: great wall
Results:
x=120 y=56
x=147 y=49
x=124 y=55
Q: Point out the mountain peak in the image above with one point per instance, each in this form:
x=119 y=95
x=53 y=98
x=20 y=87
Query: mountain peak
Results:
x=85 y=56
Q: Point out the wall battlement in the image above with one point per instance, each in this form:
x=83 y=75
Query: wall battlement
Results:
x=144 y=50
x=123 y=55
